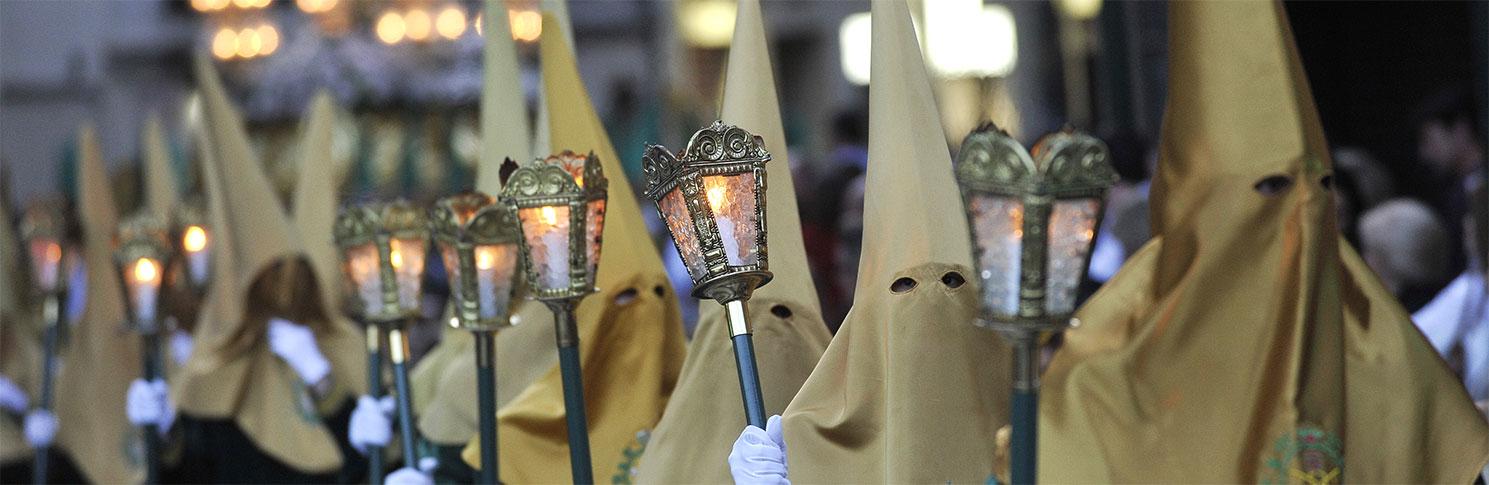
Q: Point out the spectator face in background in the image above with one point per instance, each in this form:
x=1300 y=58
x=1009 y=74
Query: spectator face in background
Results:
x=1406 y=244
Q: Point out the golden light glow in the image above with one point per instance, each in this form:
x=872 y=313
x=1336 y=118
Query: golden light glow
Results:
x=707 y=23
x=225 y=43
x=146 y=270
x=249 y=43
x=270 y=38
x=484 y=259
x=315 y=6
x=194 y=239
x=450 y=23
x=391 y=28
x=395 y=256
x=477 y=22
x=208 y=5
x=716 y=195
x=1079 y=9
x=527 y=25
x=550 y=217
x=419 y=25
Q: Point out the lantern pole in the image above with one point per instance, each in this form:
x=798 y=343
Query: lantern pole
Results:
x=398 y=352
x=744 y=360
x=486 y=389
x=567 y=329
x=374 y=388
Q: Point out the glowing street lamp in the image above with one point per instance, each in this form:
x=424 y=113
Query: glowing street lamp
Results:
x=382 y=251
x=1033 y=220
x=560 y=207
x=713 y=201
x=142 y=251
x=479 y=241
x=45 y=229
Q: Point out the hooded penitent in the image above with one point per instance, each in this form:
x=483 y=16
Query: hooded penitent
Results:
x=631 y=343
x=102 y=356
x=261 y=271
x=20 y=349
x=445 y=380
x=909 y=391
x=315 y=204
x=160 y=180
x=1246 y=342
x=692 y=442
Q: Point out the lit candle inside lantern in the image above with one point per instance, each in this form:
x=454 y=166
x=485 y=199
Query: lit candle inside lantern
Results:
x=407 y=259
x=48 y=257
x=718 y=200
x=487 y=268
x=548 y=233
x=363 y=268
x=194 y=242
x=145 y=287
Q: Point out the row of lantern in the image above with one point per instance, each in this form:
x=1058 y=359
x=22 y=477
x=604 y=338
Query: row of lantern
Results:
x=1032 y=216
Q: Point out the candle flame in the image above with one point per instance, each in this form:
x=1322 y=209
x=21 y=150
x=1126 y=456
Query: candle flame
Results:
x=550 y=217
x=145 y=270
x=194 y=240
x=716 y=196
x=484 y=259
x=53 y=252
x=396 y=258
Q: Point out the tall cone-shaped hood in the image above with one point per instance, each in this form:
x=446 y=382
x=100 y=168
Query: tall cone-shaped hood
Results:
x=693 y=440
x=448 y=408
x=1246 y=336
x=161 y=189
x=20 y=352
x=907 y=357
x=631 y=343
x=102 y=356
x=261 y=271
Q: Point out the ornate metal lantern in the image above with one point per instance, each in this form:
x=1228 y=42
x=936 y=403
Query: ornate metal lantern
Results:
x=560 y=207
x=142 y=252
x=1033 y=219
x=44 y=227
x=479 y=242
x=713 y=201
x=193 y=242
x=383 y=246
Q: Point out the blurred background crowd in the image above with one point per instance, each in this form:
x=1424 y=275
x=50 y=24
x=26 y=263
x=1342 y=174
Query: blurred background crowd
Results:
x=1401 y=89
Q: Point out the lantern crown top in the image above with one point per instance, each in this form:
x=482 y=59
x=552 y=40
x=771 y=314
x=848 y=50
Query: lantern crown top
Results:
x=358 y=224
x=1062 y=163
x=190 y=213
x=142 y=235
x=564 y=174
x=716 y=149
x=473 y=217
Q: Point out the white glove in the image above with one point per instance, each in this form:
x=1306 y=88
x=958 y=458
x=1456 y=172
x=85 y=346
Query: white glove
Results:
x=180 y=346
x=295 y=344
x=370 y=424
x=759 y=455
x=41 y=428
x=410 y=476
x=12 y=397
x=150 y=403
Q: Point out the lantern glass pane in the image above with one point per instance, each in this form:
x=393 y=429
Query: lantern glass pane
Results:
x=142 y=278
x=495 y=266
x=546 y=230
x=365 y=273
x=407 y=257
x=680 y=222
x=732 y=198
x=998 y=228
x=1072 y=227
x=594 y=228
x=196 y=246
x=46 y=262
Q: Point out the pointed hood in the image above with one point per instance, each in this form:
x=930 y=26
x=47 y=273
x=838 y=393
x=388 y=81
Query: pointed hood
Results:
x=504 y=131
x=693 y=440
x=1247 y=266
x=161 y=190
x=631 y=343
x=260 y=271
x=102 y=356
x=448 y=409
x=315 y=204
x=907 y=356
